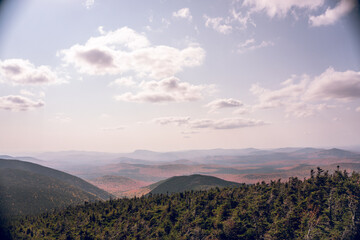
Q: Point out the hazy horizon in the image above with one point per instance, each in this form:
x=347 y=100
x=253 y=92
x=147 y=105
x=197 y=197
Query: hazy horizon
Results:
x=117 y=76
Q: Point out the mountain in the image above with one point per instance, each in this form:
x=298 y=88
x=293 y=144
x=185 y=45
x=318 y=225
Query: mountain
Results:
x=25 y=158
x=116 y=185
x=192 y=182
x=28 y=188
x=322 y=207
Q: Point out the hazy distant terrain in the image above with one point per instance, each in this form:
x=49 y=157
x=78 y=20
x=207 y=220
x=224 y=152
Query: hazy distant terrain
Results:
x=128 y=174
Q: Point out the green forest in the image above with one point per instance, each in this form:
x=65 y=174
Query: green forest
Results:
x=324 y=206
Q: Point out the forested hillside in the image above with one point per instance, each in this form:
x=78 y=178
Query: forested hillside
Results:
x=194 y=182
x=325 y=206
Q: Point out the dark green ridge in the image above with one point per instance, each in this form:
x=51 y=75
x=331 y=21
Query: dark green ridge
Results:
x=192 y=182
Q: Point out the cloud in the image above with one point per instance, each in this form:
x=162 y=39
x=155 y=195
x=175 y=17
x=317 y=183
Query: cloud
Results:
x=166 y=90
x=332 y=15
x=183 y=13
x=124 y=81
x=19 y=103
x=89 y=3
x=335 y=85
x=304 y=96
x=239 y=18
x=172 y=120
x=290 y=97
x=62 y=117
x=219 y=24
x=22 y=72
x=25 y=92
x=112 y=129
x=303 y=109
x=124 y=50
x=357 y=109
x=250 y=45
x=291 y=92
x=224 y=103
x=224 y=123
x=280 y=8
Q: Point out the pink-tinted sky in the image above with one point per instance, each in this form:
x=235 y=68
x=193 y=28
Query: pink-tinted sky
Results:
x=106 y=75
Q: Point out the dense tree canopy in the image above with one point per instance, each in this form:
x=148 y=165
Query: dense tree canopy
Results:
x=325 y=206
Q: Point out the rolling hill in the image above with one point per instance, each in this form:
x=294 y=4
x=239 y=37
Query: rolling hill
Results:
x=27 y=188
x=116 y=185
x=188 y=183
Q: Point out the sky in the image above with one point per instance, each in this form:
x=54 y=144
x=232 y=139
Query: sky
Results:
x=167 y=75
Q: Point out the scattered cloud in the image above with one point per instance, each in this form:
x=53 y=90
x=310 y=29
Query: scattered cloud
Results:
x=308 y=96
x=113 y=129
x=22 y=72
x=105 y=116
x=89 y=3
x=183 y=13
x=224 y=123
x=125 y=50
x=332 y=15
x=250 y=45
x=19 y=103
x=166 y=90
x=25 y=92
x=290 y=92
x=290 y=97
x=172 y=120
x=165 y=22
x=357 y=109
x=280 y=8
x=237 y=16
x=101 y=30
x=62 y=117
x=224 y=103
x=335 y=85
x=219 y=24
x=123 y=82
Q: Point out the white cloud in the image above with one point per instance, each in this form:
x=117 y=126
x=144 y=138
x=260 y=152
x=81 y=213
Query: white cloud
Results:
x=224 y=123
x=124 y=81
x=89 y=3
x=290 y=97
x=281 y=8
x=167 y=90
x=172 y=120
x=224 y=103
x=125 y=50
x=22 y=72
x=309 y=96
x=250 y=45
x=335 y=85
x=332 y=15
x=112 y=129
x=101 y=30
x=303 y=109
x=183 y=13
x=19 y=103
x=219 y=24
x=291 y=92
x=357 y=109
x=242 y=20
x=25 y=92
x=62 y=117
